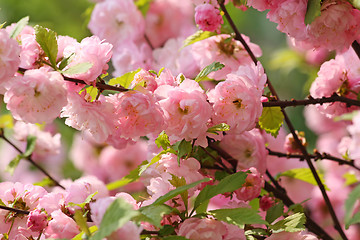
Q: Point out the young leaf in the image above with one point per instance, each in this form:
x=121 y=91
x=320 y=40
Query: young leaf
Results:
x=173 y=237
x=213 y=67
x=46 y=38
x=44 y=182
x=83 y=204
x=271 y=120
x=153 y=214
x=117 y=214
x=163 y=140
x=82 y=222
x=353 y=197
x=313 y=11
x=6 y=121
x=177 y=191
x=238 y=216
x=143 y=6
x=218 y=128
x=183 y=148
x=10 y=168
x=293 y=223
x=355 y=3
x=78 y=68
x=66 y=61
x=350 y=178
x=30 y=146
x=91 y=91
x=228 y=184
x=304 y=174
x=125 y=80
x=274 y=212
x=19 y=27
x=80 y=236
x=198 y=36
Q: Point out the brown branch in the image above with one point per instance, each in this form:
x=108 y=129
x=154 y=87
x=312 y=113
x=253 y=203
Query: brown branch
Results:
x=14 y=210
x=316 y=156
x=337 y=225
x=311 y=101
x=356 y=46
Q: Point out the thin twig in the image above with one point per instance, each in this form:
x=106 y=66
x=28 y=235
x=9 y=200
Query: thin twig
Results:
x=356 y=46
x=14 y=210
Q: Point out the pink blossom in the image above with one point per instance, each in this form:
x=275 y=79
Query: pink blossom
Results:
x=30 y=51
x=224 y=49
x=37 y=220
x=252 y=187
x=291 y=145
x=52 y=201
x=292 y=236
x=36 y=97
x=63 y=42
x=92 y=117
x=234 y=232
x=208 y=17
x=117 y=21
x=61 y=226
x=262 y=5
x=166 y=78
x=202 y=229
x=146 y=78
x=136 y=114
x=266 y=202
x=9 y=57
x=248 y=148
x=186 y=110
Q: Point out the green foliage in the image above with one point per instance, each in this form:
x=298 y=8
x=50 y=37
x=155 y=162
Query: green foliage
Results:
x=81 y=236
x=66 y=61
x=198 y=36
x=238 y=216
x=124 y=80
x=218 y=128
x=10 y=168
x=19 y=27
x=163 y=140
x=117 y=214
x=353 y=197
x=78 y=68
x=143 y=6
x=166 y=230
x=183 y=148
x=350 y=178
x=175 y=238
x=153 y=214
x=44 y=182
x=81 y=221
x=228 y=184
x=271 y=120
x=6 y=121
x=292 y=223
x=83 y=204
x=304 y=174
x=313 y=11
x=355 y=3
x=46 y=38
x=91 y=91
x=256 y=231
x=213 y=67
x=274 y=212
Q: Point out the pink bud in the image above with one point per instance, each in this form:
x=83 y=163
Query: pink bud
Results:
x=37 y=220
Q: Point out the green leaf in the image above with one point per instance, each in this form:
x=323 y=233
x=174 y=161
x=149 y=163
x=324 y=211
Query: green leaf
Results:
x=228 y=184
x=78 y=68
x=10 y=168
x=153 y=214
x=30 y=146
x=183 y=148
x=46 y=38
x=91 y=91
x=82 y=222
x=213 y=67
x=44 y=182
x=6 y=121
x=355 y=3
x=2 y=203
x=313 y=11
x=271 y=120
x=19 y=27
x=346 y=116
x=143 y=6
x=166 y=230
x=350 y=202
x=293 y=223
x=238 y=216
x=173 y=237
x=66 y=61
x=198 y=36
x=255 y=231
x=80 y=236
x=87 y=200
x=117 y=214
x=131 y=177
x=177 y=191
x=350 y=178
x=220 y=175
x=125 y=80
x=274 y=212
x=155 y=160
x=355 y=219
x=304 y=174
x=2 y=25
x=163 y=140
x=218 y=128
x=179 y=182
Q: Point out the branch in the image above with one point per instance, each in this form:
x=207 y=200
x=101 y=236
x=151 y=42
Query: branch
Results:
x=29 y=159
x=316 y=156
x=337 y=225
x=310 y=101
x=14 y=210
x=356 y=46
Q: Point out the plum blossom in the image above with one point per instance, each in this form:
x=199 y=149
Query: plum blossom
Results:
x=207 y=17
x=252 y=187
x=36 y=97
x=37 y=220
x=202 y=229
x=292 y=236
x=61 y=226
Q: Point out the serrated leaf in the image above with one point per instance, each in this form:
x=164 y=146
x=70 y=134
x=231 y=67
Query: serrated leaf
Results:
x=77 y=68
x=30 y=146
x=81 y=221
x=6 y=121
x=238 y=216
x=153 y=214
x=271 y=120
x=46 y=38
x=66 y=61
x=198 y=36
x=213 y=67
x=292 y=223
x=175 y=238
x=183 y=148
x=80 y=236
x=304 y=174
x=177 y=191
x=228 y=184
x=255 y=231
x=218 y=128
x=19 y=27
x=125 y=80
x=313 y=11
x=350 y=202
x=117 y=214
x=133 y=176
x=143 y=6
x=163 y=140
x=355 y=3
x=10 y=168
x=274 y=212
